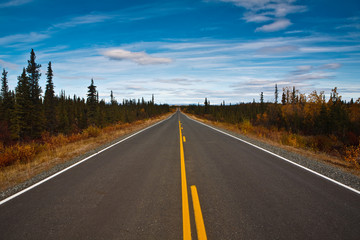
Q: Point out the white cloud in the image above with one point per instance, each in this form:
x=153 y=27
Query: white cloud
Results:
x=14 y=3
x=309 y=72
x=294 y=32
x=23 y=38
x=203 y=68
x=280 y=7
x=278 y=49
x=253 y=17
x=266 y=10
x=352 y=22
x=141 y=58
x=330 y=49
x=352 y=25
x=275 y=26
x=304 y=68
x=178 y=81
x=5 y=64
x=250 y=4
x=283 y=9
x=330 y=66
x=86 y=19
x=311 y=76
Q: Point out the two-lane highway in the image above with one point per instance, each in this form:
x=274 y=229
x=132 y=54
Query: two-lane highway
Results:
x=133 y=190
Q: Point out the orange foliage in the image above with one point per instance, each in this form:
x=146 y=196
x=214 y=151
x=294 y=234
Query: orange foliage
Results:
x=92 y=131
x=26 y=152
x=352 y=155
x=17 y=153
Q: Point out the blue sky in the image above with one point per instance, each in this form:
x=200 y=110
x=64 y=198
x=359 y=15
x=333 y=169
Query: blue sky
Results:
x=183 y=51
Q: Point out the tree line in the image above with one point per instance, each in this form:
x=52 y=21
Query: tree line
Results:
x=297 y=113
x=26 y=114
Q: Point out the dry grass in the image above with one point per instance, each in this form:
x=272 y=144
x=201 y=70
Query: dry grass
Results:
x=293 y=143
x=34 y=159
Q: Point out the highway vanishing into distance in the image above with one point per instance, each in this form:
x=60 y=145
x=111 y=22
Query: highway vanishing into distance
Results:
x=147 y=187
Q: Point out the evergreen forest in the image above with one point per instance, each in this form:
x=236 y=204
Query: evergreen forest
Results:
x=28 y=113
x=306 y=121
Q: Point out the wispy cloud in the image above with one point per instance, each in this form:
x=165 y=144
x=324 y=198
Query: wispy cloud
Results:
x=178 y=81
x=259 y=11
x=4 y=64
x=330 y=66
x=141 y=58
x=311 y=76
x=350 y=23
x=278 y=49
x=257 y=18
x=23 y=38
x=14 y=3
x=203 y=68
x=86 y=19
x=137 y=13
x=278 y=8
x=333 y=49
x=278 y=25
x=310 y=72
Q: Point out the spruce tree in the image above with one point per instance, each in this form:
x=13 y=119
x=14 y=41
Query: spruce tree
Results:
x=4 y=97
x=283 y=99
x=262 y=97
x=206 y=105
x=33 y=69
x=4 y=85
x=262 y=105
x=49 y=102
x=63 y=125
x=92 y=100
x=22 y=120
x=276 y=94
x=293 y=96
x=6 y=108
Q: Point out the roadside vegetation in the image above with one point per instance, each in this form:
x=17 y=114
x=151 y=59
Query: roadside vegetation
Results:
x=47 y=127
x=328 y=128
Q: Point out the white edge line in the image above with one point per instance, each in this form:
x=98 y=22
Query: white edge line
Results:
x=285 y=159
x=77 y=163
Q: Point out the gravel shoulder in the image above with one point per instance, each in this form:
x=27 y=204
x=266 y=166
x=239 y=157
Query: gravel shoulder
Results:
x=323 y=168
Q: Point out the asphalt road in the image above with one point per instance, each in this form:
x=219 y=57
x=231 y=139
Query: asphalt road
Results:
x=133 y=191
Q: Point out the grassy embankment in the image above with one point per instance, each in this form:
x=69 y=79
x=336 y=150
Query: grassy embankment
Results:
x=293 y=142
x=21 y=162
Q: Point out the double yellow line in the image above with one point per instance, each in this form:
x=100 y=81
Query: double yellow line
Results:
x=200 y=226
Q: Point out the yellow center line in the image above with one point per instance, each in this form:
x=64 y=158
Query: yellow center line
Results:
x=200 y=226
x=199 y=221
x=185 y=201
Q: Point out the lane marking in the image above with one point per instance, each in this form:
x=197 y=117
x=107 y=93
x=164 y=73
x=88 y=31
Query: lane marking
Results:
x=285 y=159
x=199 y=220
x=77 y=163
x=184 y=138
x=185 y=201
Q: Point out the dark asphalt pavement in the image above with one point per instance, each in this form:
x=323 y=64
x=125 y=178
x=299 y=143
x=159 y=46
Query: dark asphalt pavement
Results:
x=133 y=191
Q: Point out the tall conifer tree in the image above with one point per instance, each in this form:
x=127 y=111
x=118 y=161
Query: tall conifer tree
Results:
x=92 y=100
x=4 y=85
x=22 y=120
x=49 y=101
x=33 y=70
x=4 y=97
x=6 y=108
